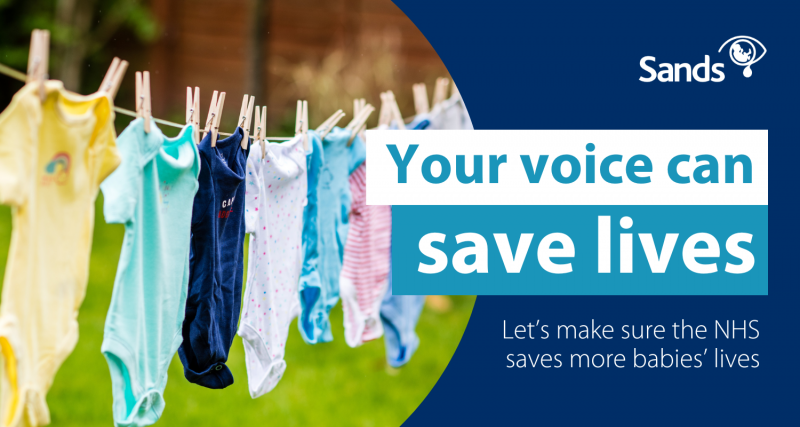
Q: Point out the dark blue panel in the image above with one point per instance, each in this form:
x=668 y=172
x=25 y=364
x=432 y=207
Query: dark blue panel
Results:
x=575 y=65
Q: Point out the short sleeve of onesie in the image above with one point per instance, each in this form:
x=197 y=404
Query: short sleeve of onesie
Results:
x=105 y=148
x=121 y=188
x=205 y=195
x=18 y=123
x=253 y=187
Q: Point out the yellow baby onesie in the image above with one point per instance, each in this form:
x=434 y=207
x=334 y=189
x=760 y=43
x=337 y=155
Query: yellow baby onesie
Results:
x=53 y=157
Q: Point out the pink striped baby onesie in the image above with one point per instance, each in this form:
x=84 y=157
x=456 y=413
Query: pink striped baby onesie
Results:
x=365 y=270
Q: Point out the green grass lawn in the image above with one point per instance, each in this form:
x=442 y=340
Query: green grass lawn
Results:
x=325 y=384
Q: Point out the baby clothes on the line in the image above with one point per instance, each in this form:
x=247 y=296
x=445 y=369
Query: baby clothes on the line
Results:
x=310 y=285
x=365 y=269
x=151 y=193
x=216 y=263
x=319 y=284
x=275 y=197
x=53 y=156
x=399 y=314
x=450 y=114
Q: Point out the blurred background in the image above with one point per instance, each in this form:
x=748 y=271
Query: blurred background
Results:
x=326 y=51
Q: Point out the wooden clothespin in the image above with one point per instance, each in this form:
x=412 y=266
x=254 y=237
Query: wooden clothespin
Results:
x=210 y=117
x=394 y=109
x=358 y=105
x=454 y=91
x=360 y=119
x=143 y=104
x=421 y=99
x=298 y=118
x=113 y=78
x=257 y=126
x=361 y=107
x=148 y=105
x=362 y=128
x=245 y=119
x=137 y=104
x=363 y=104
x=327 y=123
x=305 y=125
x=358 y=122
x=38 y=58
x=385 y=116
x=324 y=125
x=440 y=91
x=389 y=107
x=325 y=128
x=301 y=122
x=105 y=85
x=260 y=132
x=193 y=111
x=352 y=121
x=418 y=106
x=214 y=113
x=217 y=119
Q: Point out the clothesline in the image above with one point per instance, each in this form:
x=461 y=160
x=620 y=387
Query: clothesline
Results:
x=18 y=75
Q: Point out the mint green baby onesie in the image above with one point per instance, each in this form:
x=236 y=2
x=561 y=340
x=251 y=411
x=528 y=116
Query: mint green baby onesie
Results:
x=152 y=193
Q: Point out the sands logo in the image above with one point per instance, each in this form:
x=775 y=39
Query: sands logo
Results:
x=57 y=170
x=744 y=51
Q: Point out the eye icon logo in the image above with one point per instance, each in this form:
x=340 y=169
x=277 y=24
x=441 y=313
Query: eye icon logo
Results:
x=743 y=52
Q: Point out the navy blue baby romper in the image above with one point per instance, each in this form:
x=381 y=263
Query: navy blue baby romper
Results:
x=216 y=263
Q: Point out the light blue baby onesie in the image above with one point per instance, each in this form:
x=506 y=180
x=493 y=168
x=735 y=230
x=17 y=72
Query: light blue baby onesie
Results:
x=152 y=193
x=319 y=282
x=400 y=313
x=310 y=287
